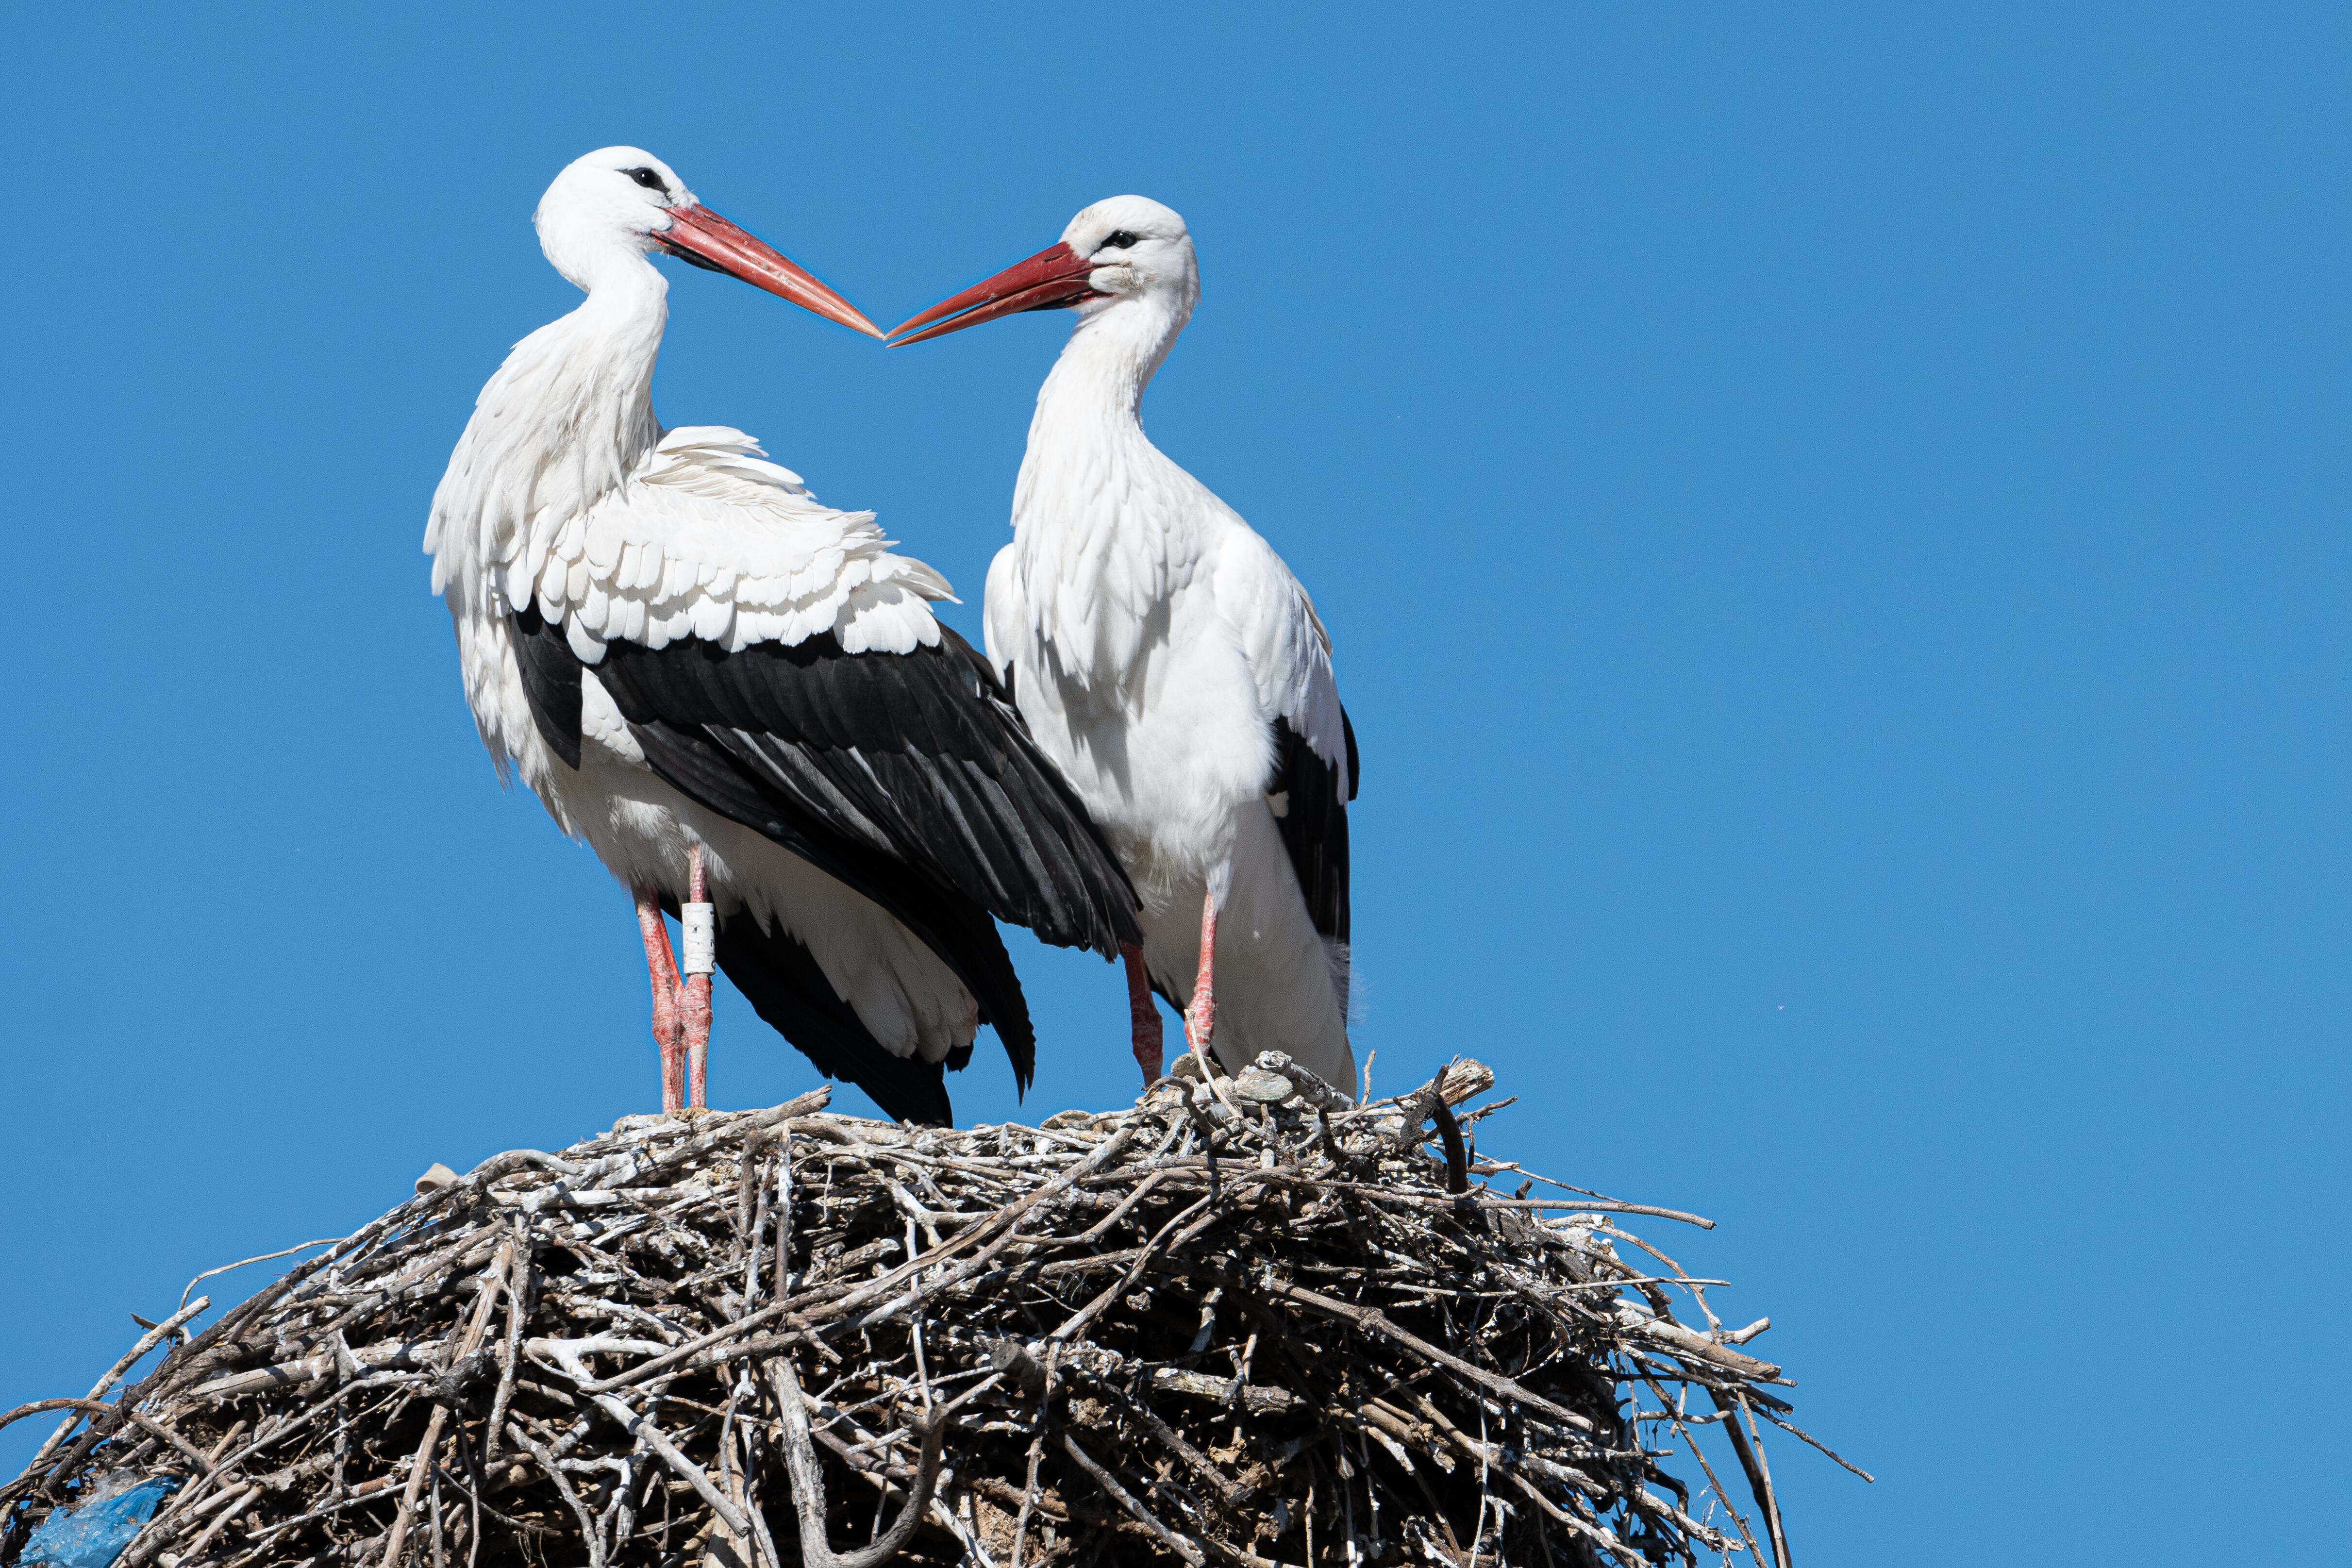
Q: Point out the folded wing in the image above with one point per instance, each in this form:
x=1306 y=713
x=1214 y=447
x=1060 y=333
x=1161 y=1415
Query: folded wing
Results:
x=806 y=689
x=1315 y=769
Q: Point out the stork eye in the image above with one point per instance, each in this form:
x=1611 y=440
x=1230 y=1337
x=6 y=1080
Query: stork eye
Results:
x=648 y=179
x=1119 y=240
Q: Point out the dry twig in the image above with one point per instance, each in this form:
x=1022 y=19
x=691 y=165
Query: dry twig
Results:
x=1246 y=1321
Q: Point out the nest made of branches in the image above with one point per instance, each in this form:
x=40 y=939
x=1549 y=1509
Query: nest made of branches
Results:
x=1246 y=1321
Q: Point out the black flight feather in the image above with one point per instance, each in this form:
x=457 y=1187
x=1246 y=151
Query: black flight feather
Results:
x=913 y=752
x=907 y=778
x=551 y=682
x=1314 y=823
x=780 y=979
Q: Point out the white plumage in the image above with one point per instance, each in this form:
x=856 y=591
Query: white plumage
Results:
x=1170 y=663
x=570 y=528
x=704 y=538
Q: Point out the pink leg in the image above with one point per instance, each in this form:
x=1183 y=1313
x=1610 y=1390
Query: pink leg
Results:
x=697 y=1038
x=697 y=1023
x=1142 y=1012
x=661 y=971
x=1200 y=1017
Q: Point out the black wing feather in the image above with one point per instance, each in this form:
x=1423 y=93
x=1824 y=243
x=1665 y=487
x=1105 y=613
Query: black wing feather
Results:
x=913 y=747
x=908 y=777
x=1314 y=823
x=955 y=928
x=550 y=683
x=781 y=980
x=1355 y=768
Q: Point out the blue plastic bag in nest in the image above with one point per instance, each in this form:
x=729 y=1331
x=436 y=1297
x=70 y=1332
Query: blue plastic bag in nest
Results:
x=93 y=1535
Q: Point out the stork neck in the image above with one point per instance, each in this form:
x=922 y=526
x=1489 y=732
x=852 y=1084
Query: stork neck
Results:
x=617 y=333
x=560 y=426
x=1088 y=454
x=1110 y=358
x=594 y=392
x=1098 y=512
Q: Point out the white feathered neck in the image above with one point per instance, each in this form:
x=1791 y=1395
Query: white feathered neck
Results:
x=560 y=425
x=1105 y=526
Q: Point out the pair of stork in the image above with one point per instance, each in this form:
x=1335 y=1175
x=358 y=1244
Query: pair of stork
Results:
x=743 y=702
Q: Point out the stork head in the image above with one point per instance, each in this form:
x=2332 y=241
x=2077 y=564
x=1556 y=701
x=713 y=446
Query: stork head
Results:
x=1123 y=250
x=618 y=204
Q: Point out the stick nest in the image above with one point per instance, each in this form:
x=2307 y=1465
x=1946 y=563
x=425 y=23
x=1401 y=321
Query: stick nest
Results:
x=1245 y=1321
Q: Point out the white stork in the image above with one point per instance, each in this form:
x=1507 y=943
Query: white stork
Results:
x=741 y=698
x=1169 y=662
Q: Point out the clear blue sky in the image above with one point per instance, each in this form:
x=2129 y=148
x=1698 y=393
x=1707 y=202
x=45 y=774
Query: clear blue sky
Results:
x=1833 y=519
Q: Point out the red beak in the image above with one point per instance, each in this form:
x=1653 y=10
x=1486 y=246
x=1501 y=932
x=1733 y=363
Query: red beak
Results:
x=698 y=235
x=1047 y=280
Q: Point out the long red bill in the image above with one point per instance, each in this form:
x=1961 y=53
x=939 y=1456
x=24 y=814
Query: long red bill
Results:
x=696 y=234
x=1053 y=276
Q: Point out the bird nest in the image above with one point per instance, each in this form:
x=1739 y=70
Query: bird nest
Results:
x=1245 y=1321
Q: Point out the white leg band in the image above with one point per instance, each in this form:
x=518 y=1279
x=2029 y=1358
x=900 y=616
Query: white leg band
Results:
x=700 y=925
